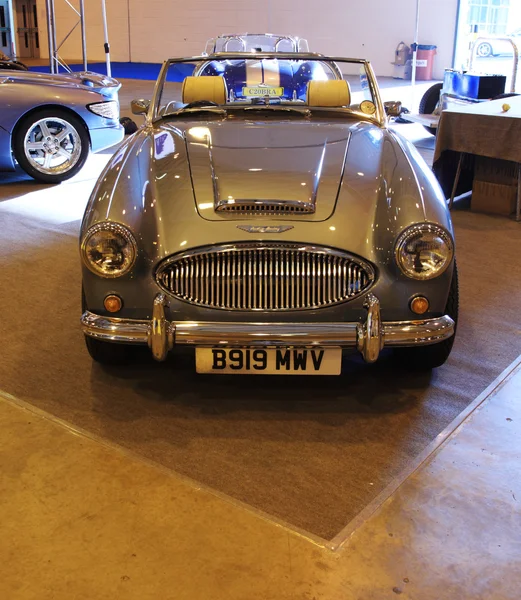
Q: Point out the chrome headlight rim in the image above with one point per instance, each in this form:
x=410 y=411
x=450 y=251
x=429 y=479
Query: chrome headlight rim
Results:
x=414 y=230
x=118 y=229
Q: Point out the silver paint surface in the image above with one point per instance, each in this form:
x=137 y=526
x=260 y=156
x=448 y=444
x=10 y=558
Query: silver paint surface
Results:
x=23 y=91
x=369 y=185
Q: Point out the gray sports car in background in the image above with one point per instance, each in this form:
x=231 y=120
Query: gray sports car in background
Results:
x=48 y=123
x=270 y=234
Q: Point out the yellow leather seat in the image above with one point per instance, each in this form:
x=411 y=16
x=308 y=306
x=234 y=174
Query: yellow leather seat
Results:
x=334 y=92
x=211 y=88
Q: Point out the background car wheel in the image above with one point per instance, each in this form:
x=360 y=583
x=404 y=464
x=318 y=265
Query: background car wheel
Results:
x=51 y=145
x=429 y=357
x=108 y=353
x=429 y=102
x=484 y=50
x=129 y=125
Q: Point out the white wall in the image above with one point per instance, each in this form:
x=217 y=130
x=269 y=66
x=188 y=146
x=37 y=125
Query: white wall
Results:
x=118 y=25
x=162 y=28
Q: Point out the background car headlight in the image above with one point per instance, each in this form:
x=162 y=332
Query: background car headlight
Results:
x=424 y=251
x=109 y=110
x=109 y=249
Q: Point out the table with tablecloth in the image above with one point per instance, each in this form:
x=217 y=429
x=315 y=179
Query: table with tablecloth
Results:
x=484 y=141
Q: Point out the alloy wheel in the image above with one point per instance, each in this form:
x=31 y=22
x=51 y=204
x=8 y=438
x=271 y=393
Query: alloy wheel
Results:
x=52 y=145
x=484 y=49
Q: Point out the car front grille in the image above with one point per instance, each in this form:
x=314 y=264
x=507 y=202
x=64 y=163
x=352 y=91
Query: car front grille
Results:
x=270 y=277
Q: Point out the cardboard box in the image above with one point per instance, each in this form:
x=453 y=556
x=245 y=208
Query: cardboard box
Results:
x=494 y=189
x=401 y=54
x=495 y=198
x=402 y=71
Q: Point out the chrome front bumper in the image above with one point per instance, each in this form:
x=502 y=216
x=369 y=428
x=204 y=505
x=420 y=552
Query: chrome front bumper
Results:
x=369 y=336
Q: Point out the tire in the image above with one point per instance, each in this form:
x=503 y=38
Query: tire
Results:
x=108 y=353
x=60 y=145
x=484 y=50
x=129 y=125
x=429 y=102
x=425 y=358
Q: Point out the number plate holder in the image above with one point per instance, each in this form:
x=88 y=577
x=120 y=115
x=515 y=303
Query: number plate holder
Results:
x=259 y=91
x=268 y=361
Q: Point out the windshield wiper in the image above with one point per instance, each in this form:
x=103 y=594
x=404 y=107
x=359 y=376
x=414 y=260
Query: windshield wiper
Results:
x=274 y=108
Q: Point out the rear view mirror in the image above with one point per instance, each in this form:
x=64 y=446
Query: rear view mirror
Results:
x=393 y=108
x=139 y=107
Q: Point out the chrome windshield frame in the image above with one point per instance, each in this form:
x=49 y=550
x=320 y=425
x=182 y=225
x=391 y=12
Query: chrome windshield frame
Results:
x=379 y=117
x=242 y=37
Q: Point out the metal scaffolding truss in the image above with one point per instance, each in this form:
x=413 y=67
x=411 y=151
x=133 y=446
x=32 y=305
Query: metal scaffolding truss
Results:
x=55 y=60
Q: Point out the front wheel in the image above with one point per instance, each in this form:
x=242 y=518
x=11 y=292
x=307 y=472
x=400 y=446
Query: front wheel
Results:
x=51 y=145
x=484 y=50
x=109 y=353
x=429 y=102
x=430 y=357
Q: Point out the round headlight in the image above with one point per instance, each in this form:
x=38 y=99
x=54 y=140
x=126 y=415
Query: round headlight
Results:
x=109 y=249
x=424 y=251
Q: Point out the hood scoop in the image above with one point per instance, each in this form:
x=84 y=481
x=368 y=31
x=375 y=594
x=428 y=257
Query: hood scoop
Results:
x=290 y=169
x=265 y=207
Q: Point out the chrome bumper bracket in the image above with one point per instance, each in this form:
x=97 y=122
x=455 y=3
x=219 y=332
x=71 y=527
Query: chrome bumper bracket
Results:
x=160 y=332
x=369 y=336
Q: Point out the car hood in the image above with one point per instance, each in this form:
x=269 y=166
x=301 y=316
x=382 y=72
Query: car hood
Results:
x=384 y=187
x=82 y=80
x=299 y=166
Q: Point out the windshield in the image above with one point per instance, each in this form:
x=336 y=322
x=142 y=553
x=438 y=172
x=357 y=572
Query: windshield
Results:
x=286 y=82
x=252 y=42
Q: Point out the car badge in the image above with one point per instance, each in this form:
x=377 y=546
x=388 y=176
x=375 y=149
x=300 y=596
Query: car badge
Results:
x=265 y=228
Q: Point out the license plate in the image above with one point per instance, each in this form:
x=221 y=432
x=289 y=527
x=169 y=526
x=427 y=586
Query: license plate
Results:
x=260 y=91
x=269 y=361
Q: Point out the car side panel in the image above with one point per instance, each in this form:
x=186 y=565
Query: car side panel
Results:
x=19 y=98
x=6 y=159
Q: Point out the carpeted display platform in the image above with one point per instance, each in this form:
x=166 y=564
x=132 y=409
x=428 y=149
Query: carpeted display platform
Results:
x=311 y=451
x=125 y=70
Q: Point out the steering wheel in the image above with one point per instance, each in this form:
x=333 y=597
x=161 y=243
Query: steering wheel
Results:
x=200 y=104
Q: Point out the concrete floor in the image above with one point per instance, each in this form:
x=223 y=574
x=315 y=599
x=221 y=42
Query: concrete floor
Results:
x=81 y=517
x=84 y=519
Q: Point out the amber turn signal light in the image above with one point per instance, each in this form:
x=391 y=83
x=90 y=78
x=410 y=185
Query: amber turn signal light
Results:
x=419 y=305
x=113 y=303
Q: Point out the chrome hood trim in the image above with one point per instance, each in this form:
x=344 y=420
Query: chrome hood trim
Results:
x=289 y=168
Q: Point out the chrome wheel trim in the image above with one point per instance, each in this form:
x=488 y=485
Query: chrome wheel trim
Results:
x=52 y=146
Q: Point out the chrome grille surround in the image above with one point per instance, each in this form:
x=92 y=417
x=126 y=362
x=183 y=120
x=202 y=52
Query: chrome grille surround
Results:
x=264 y=276
x=265 y=207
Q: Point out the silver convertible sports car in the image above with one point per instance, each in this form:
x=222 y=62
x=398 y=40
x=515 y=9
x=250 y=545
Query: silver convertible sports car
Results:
x=270 y=234
x=49 y=123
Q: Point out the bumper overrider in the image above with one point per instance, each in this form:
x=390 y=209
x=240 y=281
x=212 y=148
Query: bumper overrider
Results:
x=368 y=336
